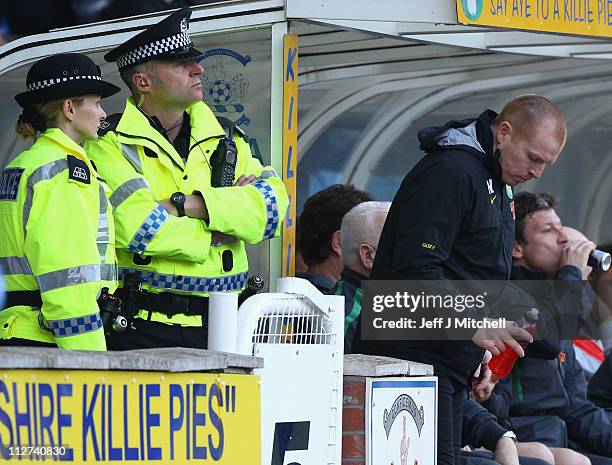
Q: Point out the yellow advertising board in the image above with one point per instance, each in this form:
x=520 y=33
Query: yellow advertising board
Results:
x=105 y=417
x=290 y=110
x=580 y=17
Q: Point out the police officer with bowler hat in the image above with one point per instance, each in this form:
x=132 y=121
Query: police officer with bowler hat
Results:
x=57 y=248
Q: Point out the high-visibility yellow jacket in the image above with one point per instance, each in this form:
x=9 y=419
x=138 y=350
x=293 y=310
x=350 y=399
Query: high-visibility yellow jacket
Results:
x=173 y=254
x=56 y=237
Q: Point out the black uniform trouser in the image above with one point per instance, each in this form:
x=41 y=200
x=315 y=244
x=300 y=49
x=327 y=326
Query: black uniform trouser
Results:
x=151 y=335
x=451 y=396
x=16 y=342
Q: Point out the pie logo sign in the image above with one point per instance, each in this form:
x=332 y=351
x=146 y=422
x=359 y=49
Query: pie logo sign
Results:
x=472 y=9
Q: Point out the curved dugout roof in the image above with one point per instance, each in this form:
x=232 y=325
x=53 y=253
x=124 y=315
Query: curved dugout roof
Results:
x=370 y=77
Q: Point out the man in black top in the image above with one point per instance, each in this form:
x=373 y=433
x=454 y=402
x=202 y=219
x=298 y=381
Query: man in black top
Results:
x=453 y=218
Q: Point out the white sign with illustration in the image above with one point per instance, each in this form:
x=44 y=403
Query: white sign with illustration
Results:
x=401 y=421
x=233 y=86
x=225 y=89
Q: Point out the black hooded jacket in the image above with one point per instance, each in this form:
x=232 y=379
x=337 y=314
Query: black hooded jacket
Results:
x=452 y=218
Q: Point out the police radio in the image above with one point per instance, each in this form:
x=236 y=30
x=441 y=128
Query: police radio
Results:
x=223 y=161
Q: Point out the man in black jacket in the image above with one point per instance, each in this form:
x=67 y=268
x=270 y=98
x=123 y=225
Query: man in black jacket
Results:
x=453 y=218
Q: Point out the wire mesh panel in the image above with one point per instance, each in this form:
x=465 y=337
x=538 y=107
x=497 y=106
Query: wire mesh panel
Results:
x=300 y=339
x=293 y=324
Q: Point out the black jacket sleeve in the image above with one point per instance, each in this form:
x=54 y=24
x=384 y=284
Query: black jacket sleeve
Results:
x=587 y=424
x=422 y=242
x=566 y=299
x=600 y=386
x=500 y=400
x=548 y=350
x=435 y=204
x=480 y=428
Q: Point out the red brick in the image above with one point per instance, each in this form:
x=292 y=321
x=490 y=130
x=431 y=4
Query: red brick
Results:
x=353 y=419
x=353 y=445
x=353 y=461
x=354 y=392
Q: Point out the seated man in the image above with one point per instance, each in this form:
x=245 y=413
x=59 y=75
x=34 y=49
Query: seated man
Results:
x=318 y=233
x=359 y=234
x=480 y=429
x=600 y=387
x=541 y=398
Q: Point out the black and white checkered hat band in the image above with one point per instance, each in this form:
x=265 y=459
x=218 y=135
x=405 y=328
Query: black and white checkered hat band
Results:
x=51 y=82
x=159 y=47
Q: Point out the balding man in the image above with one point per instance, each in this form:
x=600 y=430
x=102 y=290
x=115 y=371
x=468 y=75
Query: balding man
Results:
x=453 y=218
x=590 y=353
x=550 y=411
x=359 y=235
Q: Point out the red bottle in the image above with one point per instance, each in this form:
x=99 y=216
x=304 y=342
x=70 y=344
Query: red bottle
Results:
x=501 y=365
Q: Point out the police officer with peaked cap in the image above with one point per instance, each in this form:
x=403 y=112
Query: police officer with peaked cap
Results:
x=179 y=233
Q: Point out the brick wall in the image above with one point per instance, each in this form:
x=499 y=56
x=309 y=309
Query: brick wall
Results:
x=353 y=421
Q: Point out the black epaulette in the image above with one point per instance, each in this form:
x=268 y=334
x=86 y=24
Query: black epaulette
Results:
x=227 y=123
x=109 y=124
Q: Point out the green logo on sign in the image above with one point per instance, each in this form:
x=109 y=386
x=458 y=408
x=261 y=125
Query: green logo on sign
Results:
x=472 y=9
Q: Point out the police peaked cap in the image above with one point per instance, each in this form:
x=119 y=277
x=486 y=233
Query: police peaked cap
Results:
x=63 y=76
x=167 y=39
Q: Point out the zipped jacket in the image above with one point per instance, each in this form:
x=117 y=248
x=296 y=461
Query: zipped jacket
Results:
x=451 y=219
x=56 y=237
x=173 y=254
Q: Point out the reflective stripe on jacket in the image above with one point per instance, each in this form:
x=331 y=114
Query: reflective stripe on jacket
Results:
x=174 y=254
x=57 y=235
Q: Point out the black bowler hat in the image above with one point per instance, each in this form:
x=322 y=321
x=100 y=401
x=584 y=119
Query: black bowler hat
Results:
x=167 y=39
x=62 y=76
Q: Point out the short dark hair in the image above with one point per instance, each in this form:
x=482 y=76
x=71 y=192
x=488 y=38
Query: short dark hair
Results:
x=126 y=76
x=322 y=216
x=127 y=73
x=526 y=203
